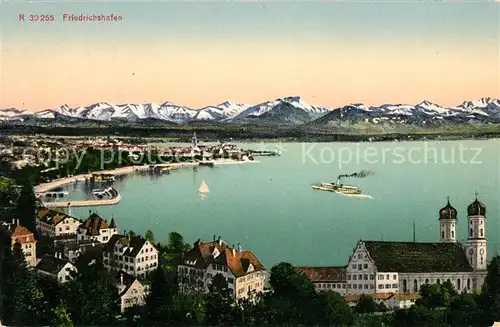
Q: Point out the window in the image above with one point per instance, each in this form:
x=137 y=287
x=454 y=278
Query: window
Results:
x=381 y=277
x=380 y=286
x=147 y=258
x=427 y=281
x=348 y=277
x=468 y=283
x=343 y=285
x=225 y=269
x=360 y=277
x=394 y=285
x=334 y=286
x=365 y=266
x=355 y=286
x=470 y=232
x=458 y=284
x=230 y=280
x=394 y=276
x=372 y=286
x=349 y=286
x=415 y=286
x=438 y=281
x=372 y=277
x=452 y=234
x=366 y=286
x=387 y=277
x=360 y=267
x=365 y=277
x=329 y=285
x=354 y=277
x=442 y=234
x=360 y=256
x=388 y=286
x=353 y=266
x=481 y=230
x=405 y=286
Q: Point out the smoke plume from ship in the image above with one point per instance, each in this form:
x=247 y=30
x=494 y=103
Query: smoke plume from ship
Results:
x=361 y=174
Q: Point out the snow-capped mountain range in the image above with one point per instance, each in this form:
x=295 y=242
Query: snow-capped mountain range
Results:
x=291 y=111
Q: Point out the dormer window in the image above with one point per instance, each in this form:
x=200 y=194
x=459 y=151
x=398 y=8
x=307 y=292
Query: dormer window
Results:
x=216 y=253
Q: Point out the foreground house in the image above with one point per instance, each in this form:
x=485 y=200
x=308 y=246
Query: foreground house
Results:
x=402 y=267
x=96 y=229
x=327 y=278
x=244 y=273
x=132 y=291
x=53 y=223
x=132 y=254
x=54 y=266
x=20 y=234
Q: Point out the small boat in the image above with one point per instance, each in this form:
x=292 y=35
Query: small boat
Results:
x=203 y=188
x=206 y=163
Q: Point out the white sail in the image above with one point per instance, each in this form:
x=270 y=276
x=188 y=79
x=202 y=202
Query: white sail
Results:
x=203 y=188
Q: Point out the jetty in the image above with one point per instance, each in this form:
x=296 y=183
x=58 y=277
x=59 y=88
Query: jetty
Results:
x=85 y=203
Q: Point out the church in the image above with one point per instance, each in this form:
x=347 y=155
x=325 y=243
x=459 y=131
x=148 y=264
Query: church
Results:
x=377 y=267
x=390 y=267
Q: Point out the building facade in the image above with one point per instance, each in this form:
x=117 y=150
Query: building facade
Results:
x=54 y=266
x=53 y=223
x=385 y=267
x=244 y=273
x=133 y=254
x=20 y=234
x=132 y=292
x=96 y=229
x=327 y=278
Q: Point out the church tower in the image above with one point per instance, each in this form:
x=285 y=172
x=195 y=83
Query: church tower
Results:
x=476 y=242
x=448 y=224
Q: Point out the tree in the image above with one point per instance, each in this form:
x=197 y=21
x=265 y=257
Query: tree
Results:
x=149 y=236
x=332 y=309
x=293 y=296
x=160 y=297
x=219 y=305
x=490 y=296
x=176 y=243
x=26 y=207
x=464 y=311
x=61 y=316
x=366 y=304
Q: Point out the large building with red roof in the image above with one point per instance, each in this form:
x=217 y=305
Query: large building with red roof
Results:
x=243 y=271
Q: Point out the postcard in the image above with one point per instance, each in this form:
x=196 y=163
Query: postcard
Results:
x=249 y=163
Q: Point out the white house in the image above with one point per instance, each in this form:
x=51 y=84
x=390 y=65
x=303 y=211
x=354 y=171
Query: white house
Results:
x=244 y=273
x=132 y=254
x=54 y=266
x=96 y=229
x=132 y=292
x=53 y=223
x=327 y=278
x=20 y=234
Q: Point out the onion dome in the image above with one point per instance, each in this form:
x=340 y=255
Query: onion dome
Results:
x=448 y=212
x=476 y=208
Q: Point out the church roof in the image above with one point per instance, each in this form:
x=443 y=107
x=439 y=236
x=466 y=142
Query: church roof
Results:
x=325 y=274
x=448 y=212
x=411 y=257
x=476 y=208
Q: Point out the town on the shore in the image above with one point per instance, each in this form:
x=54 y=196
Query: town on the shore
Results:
x=69 y=270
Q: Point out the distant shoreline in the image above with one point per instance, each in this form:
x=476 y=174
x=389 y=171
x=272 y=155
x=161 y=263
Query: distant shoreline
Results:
x=243 y=133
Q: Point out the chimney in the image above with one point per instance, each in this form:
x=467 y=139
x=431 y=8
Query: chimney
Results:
x=234 y=251
x=14 y=222
x=214 y=237
x=220 y=241
x=121 y=278
x=17 y=221
x=239 y=247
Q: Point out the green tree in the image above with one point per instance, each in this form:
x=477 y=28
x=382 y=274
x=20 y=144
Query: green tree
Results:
x=26 y=207
x=160 y=297
x=61 y=317
x=332 y=309
x=293 y=296
x=490 y=296
x=176 y=243
x=464 y=311
x=219 y=304
x=149 y=236
x=366 y=304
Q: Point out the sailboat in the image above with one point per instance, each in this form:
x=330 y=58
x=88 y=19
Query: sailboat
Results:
x=203 y=188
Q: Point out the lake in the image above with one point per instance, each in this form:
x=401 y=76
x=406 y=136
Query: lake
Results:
x=270 y=208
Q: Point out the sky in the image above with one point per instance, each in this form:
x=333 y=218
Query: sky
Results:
x=203 y=53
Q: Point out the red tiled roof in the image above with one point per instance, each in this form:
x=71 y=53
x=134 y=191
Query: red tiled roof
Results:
x=94 y=224
x=52 y=217
x=325 y=274
x=238 y=263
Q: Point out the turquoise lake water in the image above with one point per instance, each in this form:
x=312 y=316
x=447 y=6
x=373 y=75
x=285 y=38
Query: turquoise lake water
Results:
x=270 y=208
